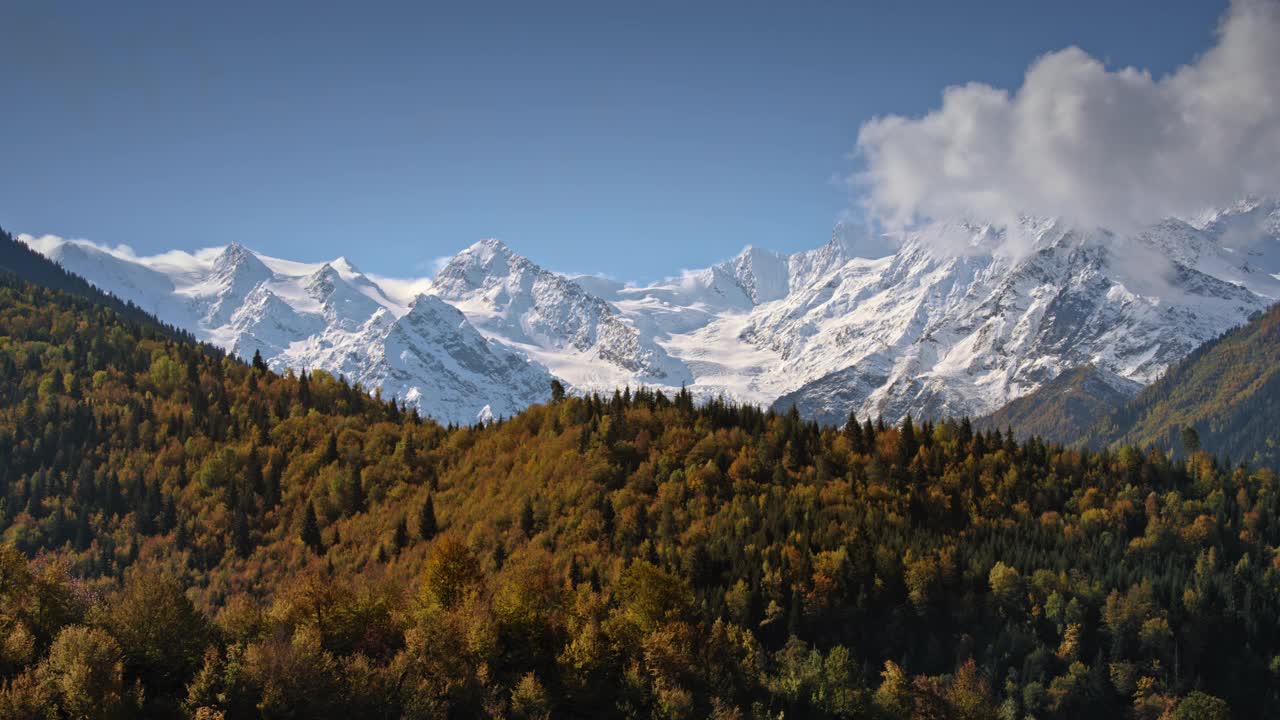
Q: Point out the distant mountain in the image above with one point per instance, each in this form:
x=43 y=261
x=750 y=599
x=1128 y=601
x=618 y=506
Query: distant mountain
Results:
x=958 y=319
x=964 y=318
x=575 y=334
x=1064 y=409
x=1228 y=391
x=18 y=259
x=328 y=316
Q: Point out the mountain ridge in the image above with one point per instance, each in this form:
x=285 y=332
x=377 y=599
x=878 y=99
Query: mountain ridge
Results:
x=960 y=319
x=1225 y=391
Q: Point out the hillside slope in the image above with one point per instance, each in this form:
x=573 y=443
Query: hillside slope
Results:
x=1065 y=408
x=201 y=533
x=1228 y=391
x=21 y=261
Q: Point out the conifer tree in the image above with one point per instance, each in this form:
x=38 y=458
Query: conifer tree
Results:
x=427 y=527
x=304 y=390
x=527 y=518
x=401 y=538
x=240 y=532
x=311 y=530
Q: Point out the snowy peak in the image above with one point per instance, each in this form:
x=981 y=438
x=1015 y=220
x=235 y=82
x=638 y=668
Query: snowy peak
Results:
x=951 y=318
x=236 y=261
x=235 y=273
x=1249 y=230
x=434 y=357
x=815 y=266
x=432 y=310
x=965 y=317
x=344 y=267
x=761 y=275
x=483 y=265
x=576 y=334
x=341 y=301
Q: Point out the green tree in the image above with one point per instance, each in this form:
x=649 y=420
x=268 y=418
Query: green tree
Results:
x=527 y=519
x=310 y=532
x=162 y=634
x=1202 y=706
x=401 y=537
x=427 y=526
x=1190 y=440
x=85 y=668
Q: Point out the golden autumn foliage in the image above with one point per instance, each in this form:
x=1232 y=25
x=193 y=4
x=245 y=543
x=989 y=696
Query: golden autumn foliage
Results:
x=186 y=535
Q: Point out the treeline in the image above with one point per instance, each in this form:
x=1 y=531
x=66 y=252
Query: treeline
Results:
x=188 y=535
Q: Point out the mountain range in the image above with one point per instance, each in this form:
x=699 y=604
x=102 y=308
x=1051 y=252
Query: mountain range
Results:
x=960 y=318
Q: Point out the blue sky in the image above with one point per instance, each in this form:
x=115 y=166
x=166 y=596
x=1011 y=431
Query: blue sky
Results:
x=632 y=140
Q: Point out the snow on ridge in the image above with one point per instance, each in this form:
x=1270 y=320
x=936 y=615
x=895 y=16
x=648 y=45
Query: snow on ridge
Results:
x=959 y=318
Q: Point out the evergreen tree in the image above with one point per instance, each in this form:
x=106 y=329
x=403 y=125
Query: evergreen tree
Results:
x=240 y=532
x=353 y=494
x=304 y=390
x=401 y=537
x=527 y=519
x=1190 y=440
x=330 y=449
x=310 y=533
x=427 y=526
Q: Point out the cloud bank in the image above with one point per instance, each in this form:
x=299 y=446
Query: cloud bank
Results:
x=1099 y=147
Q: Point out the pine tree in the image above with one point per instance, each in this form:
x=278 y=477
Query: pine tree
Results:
x=1190 y=440
x=304 y=390
x=311 y=530
x=353 y=493
x=240 y=532
x=907 y=445
x=271 y=487
x=427 y=526
x=253 y=473
x=330 y=450
x=527 y=518
x=401 y=538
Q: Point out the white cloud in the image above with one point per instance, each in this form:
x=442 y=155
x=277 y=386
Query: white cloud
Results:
x=46 y=243
x=171 y=259
x=439 y=263
x=1106 y=147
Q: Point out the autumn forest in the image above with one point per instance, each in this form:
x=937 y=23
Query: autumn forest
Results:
x=187 y=535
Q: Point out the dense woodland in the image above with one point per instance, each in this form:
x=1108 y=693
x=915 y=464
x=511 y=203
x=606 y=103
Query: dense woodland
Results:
x=182 y=534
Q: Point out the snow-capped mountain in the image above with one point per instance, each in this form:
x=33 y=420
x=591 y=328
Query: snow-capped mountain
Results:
x=957 y=318
x=965 y=329
x=575 y=334
x=327 y=316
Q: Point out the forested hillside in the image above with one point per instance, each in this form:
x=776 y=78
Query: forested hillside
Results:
x=21 y=261
x=1065 y=408
x=184 y=534
x=1227 y=393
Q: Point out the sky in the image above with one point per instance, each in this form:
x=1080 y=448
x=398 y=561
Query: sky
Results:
x=628 y=140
